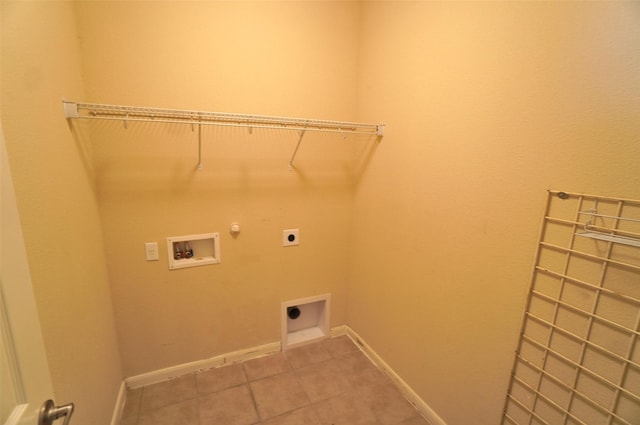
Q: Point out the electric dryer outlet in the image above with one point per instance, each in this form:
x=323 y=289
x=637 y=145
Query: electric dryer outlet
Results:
x=291 y=237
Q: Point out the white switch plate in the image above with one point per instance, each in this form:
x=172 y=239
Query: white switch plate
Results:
x=291 y=237
x=151 y=251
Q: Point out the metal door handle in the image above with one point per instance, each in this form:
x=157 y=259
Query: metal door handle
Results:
x=49 y=412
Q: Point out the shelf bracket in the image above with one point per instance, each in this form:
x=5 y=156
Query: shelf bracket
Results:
x=199 y=166
x=296 y=150
x=70 y=110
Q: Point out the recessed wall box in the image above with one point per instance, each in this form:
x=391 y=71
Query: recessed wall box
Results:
x=305 y=320
x=193 y=250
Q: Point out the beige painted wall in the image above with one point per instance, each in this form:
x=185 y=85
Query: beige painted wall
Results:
x=273 y=58
x=488 y=105
x=58 y=207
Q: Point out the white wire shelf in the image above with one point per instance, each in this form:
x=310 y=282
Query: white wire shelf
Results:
x=127 y=114
x=76 y=110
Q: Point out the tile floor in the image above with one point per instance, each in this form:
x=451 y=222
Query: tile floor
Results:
x=330 y=382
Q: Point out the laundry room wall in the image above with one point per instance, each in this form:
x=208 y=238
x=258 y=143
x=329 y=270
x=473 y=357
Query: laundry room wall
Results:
x=487 y=105
x=296 y=59
x=425 y=239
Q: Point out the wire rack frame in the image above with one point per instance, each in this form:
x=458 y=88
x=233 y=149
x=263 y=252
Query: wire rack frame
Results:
x=578 y=355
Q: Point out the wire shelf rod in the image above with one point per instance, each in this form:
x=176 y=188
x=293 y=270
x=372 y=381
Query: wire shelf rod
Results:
x=222 y=124
x=101 y=109
x=75 y=110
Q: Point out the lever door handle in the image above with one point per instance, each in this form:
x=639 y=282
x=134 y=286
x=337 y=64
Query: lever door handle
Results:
x=49 y=412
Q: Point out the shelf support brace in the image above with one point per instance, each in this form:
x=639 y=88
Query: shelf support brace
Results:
x=199 y=166
x=296 y=150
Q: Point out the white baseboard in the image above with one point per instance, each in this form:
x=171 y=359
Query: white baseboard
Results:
x=16 y=414
x=120 y=401
x=429 y=414
x=338 y=330
x=199 y=365
x=262 y=350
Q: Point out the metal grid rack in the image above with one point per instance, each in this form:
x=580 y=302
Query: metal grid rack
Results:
x=578 y=358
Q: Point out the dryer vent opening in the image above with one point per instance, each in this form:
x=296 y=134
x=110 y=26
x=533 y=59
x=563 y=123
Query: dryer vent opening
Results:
x=305 y=320
x=293 y=312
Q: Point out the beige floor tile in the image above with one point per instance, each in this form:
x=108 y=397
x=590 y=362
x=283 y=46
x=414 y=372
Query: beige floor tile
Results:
x=418 y=420
x=132 y=420
x=340 y=345
x=220 y=378
x=263 y=367
x=303 y=416
x=233 y=406
x=182 y=413
x=323 y=380
x=359 y=371
x=307 y=354
x=167 y=392
x=278 y=394
x=387 y=403
x=132 y=405
x=344 y=410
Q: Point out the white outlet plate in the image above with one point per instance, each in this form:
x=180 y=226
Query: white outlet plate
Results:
x=291 y=237
x=151 y=251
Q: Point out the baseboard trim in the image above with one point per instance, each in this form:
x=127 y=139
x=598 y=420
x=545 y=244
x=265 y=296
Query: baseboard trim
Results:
x=192 y=367
x=120 y=401
x=338 y=330
x=429 y=414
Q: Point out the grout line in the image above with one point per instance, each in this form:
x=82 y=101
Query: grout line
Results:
x=139 y=413
x=294 y=371
x=253 y=397
x=255 y=403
